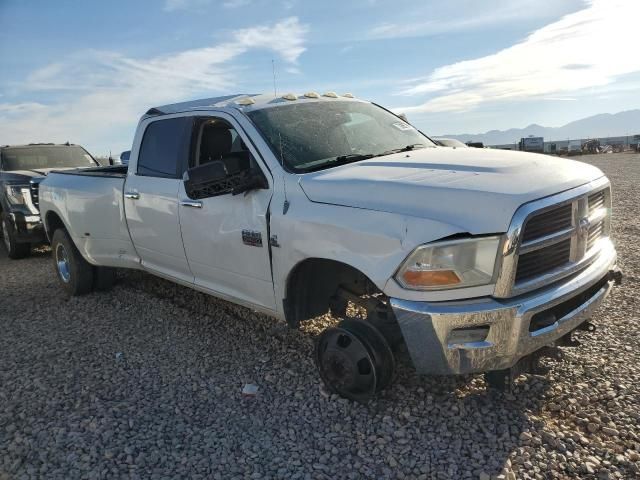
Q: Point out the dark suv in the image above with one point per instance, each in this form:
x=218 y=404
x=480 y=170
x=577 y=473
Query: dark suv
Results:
x=22 y=168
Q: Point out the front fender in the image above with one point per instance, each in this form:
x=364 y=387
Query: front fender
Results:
x=373 y=242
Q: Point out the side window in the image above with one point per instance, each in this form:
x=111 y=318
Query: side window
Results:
x=218 y=141
x=165 y=146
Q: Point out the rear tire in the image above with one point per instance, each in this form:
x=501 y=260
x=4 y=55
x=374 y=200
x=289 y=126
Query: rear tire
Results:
x=74 y=273
x=15 y=250
x=103 y=278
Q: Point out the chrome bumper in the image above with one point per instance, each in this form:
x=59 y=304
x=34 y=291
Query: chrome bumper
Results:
x=430 y=329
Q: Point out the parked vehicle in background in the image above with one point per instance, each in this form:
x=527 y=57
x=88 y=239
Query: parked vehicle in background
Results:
x=475 y=144
x=22 y=168
x=449 y=142
x=124 y=157
x=574 y=147
x=531 y=144
x=591 y=146
x=474 y=259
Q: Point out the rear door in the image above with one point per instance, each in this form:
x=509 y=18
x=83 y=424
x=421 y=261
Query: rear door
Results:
x=226 y=238
x=151 y=196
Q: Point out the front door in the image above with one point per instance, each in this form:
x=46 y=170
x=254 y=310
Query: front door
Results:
x=151 y=197
x=225 y=236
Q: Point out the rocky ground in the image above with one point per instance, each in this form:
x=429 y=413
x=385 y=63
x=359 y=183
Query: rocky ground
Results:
x=145 y=382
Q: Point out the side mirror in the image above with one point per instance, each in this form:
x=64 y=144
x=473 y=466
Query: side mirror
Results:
x=206 y=180
x=254 y=181
x=124 y=157
x=403 y=116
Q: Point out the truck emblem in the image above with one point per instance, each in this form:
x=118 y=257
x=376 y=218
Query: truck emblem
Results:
x=252 y=238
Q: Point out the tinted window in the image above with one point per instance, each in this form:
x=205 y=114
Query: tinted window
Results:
x=165 y=146
x=49 y=156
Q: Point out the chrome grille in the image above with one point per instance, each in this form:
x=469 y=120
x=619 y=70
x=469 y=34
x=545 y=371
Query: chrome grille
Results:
x=35 y=190
x=595 y=233
x=596 y=201
x=552 y=238
x=547 y=223
x=541 y=261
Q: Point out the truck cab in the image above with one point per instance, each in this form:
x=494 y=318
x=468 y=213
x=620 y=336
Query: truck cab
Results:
x=22 y=168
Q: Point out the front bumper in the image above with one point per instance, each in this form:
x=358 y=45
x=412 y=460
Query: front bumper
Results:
x=26 y=228
x=509 y=327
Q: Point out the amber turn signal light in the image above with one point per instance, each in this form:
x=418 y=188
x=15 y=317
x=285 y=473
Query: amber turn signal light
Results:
x=430 y=278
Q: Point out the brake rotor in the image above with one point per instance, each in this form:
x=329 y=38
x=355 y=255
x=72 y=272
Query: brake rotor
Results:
x=354 y=360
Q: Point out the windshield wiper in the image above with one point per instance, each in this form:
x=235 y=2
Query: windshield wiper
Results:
x=340 y=160
x=408 y=148
x=352 y=157
x=356 y=157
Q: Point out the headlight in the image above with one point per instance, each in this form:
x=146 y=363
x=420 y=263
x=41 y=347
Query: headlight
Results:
x=450 y=264
x=17 y=194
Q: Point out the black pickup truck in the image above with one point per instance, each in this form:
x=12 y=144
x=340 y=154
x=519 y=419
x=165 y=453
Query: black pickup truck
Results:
x=22 y=168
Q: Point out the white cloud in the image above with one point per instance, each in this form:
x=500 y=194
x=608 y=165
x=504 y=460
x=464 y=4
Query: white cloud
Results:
x=450 y=17
x=582 y=50
x=101 y=92
x=20 y=108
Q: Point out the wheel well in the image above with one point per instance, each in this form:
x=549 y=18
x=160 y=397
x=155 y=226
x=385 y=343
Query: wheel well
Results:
x=312 y=284
x=53 y=222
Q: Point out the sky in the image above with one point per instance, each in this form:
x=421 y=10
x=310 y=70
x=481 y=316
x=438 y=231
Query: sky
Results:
x=85 y=72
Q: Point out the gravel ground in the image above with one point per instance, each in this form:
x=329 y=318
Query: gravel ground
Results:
x=145 y=382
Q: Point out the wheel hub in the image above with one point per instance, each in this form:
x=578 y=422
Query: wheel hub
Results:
x=62 y=263
x=340 y=369
x=354 y=360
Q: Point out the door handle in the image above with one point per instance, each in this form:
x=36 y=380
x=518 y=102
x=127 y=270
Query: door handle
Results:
x=190 y=203
x=132 y=195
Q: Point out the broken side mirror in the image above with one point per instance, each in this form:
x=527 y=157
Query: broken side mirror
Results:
x=206 y=180
x=213 y=179
x=254 y=181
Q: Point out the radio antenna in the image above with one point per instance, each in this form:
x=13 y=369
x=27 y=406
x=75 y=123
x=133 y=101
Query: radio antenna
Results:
x=273 y=69
x=285 y=206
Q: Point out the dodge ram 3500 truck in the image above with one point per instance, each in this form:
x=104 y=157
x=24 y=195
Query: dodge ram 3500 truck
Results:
x=22 y=168
x=469 y=260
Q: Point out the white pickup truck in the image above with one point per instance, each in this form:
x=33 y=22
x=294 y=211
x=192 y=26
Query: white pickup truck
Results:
x=469 y=260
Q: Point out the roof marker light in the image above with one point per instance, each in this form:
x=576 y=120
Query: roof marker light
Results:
x=290 y=96
x=311 y=95
x=331 y=94
x=246 y=101
x=348 y=95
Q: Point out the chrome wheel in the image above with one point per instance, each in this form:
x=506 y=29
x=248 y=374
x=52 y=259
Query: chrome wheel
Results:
x=62 y=262
x=5 y=235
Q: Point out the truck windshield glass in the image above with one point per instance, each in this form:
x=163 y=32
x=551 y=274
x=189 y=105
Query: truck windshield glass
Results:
x=315 y=135
x=53 y=156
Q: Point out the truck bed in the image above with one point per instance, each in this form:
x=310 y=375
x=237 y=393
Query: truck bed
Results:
x=113 y=171
x=90 y=203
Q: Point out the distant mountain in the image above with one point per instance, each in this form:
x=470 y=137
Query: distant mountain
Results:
x=597 y=126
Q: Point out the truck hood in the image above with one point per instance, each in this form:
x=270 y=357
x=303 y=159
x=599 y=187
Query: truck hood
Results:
x=476 y=190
